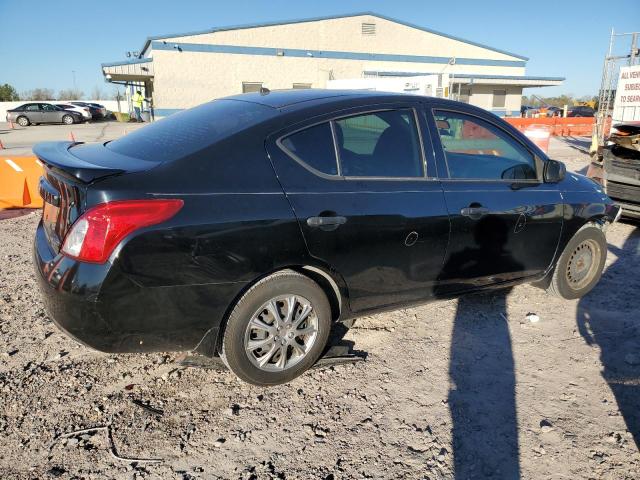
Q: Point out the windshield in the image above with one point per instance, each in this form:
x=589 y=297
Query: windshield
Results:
x=187 y=132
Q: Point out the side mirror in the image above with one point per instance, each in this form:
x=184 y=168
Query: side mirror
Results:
x=554 y=171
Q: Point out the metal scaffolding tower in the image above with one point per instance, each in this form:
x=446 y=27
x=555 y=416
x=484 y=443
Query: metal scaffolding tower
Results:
x=610 y=73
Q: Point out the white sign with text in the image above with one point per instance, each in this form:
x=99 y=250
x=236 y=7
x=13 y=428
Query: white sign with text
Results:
x=627 y=104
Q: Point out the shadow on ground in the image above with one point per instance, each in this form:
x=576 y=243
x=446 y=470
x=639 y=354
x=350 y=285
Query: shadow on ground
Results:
x=14 y=212
x=482 y=393
x=615 y=329
x=581 y=144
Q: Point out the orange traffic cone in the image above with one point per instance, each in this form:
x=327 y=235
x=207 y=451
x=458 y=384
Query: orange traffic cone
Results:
x=10 y=124
x=1 y=145
x=71 y=137
x=26 y=197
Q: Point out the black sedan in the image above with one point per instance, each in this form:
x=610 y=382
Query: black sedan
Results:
x=38 y=112
x=581 y=111
x=243 y=228
x=97 y=111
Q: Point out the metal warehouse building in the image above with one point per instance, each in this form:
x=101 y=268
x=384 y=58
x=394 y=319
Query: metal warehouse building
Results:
x=182 y=70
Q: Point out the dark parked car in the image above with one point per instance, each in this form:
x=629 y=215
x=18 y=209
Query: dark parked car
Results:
x=528 y=111
x=244 y=227
x=581 y=111
x=97 y=111
x=35 y=113
x=554 y=112
x=618 y=170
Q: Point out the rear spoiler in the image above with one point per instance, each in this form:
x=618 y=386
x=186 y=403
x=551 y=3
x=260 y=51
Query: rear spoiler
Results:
x=88 y=162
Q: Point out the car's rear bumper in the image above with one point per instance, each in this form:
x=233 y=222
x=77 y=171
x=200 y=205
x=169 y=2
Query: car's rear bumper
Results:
x=100 y=307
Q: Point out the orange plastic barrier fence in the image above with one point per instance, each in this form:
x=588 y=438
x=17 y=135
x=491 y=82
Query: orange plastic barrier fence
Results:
x=562 y=127
x=19 y=177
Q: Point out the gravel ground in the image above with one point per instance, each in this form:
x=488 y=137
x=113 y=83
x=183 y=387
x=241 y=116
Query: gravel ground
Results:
x=468 y=388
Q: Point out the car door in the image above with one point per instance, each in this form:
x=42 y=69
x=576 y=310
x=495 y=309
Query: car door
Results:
x=50 y=114
x=505 y=222
x=33 y=112
x=360 y=186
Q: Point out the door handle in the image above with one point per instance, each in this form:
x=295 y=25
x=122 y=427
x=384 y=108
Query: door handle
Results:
x=333 y=221
x=474 y=212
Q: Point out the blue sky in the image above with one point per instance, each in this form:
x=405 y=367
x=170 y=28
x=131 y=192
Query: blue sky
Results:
x=43 y=41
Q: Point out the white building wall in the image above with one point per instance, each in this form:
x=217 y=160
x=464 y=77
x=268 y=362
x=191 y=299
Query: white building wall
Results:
x=185 y=79
x=345 y=34
x=482 y=96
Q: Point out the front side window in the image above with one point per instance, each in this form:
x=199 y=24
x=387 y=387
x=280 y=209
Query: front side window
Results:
x=48 y=108
x=476 y=149
x=314 y=147
x=380 y=144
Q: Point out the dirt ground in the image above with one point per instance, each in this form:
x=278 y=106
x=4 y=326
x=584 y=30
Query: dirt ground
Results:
x=462 y=389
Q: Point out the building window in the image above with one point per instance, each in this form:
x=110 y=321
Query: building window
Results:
x=499 y=97
x=464 y=95
x=248 y=87
x=368 y=29
x=301 y=85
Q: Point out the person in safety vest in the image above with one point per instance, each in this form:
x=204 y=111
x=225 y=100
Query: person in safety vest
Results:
x=137 y=105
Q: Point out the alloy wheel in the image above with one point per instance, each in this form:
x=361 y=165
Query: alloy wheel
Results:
x=281 y=333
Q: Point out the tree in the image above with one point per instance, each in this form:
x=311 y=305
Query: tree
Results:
x=8 y=93
x=70 y=94
x=97 y=94
x=38 y=94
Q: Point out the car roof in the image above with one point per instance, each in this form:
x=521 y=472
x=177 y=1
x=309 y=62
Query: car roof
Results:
x=286 y=98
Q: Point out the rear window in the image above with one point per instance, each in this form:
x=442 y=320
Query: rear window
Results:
x=314 y=146
x=187 y=132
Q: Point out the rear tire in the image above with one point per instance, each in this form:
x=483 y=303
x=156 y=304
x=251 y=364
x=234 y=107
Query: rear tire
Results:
x=277 y=330
x=67 y=120
x=23 y=121
x=580 y=265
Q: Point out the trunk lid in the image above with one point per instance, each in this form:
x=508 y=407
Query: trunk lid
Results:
x=87 y=162
x=70 y=169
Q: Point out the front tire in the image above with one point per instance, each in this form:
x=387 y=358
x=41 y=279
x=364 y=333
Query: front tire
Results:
x=581 y=264
x=277 y=330
x=67 y=120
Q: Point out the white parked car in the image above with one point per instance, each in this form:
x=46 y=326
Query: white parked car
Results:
x=84 y=111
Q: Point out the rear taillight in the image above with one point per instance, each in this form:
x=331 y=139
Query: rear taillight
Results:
x=98 y=231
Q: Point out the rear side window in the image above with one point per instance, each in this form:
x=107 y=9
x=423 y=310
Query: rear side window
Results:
x=188 y=132
x=314 y=147
x=380 y=144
